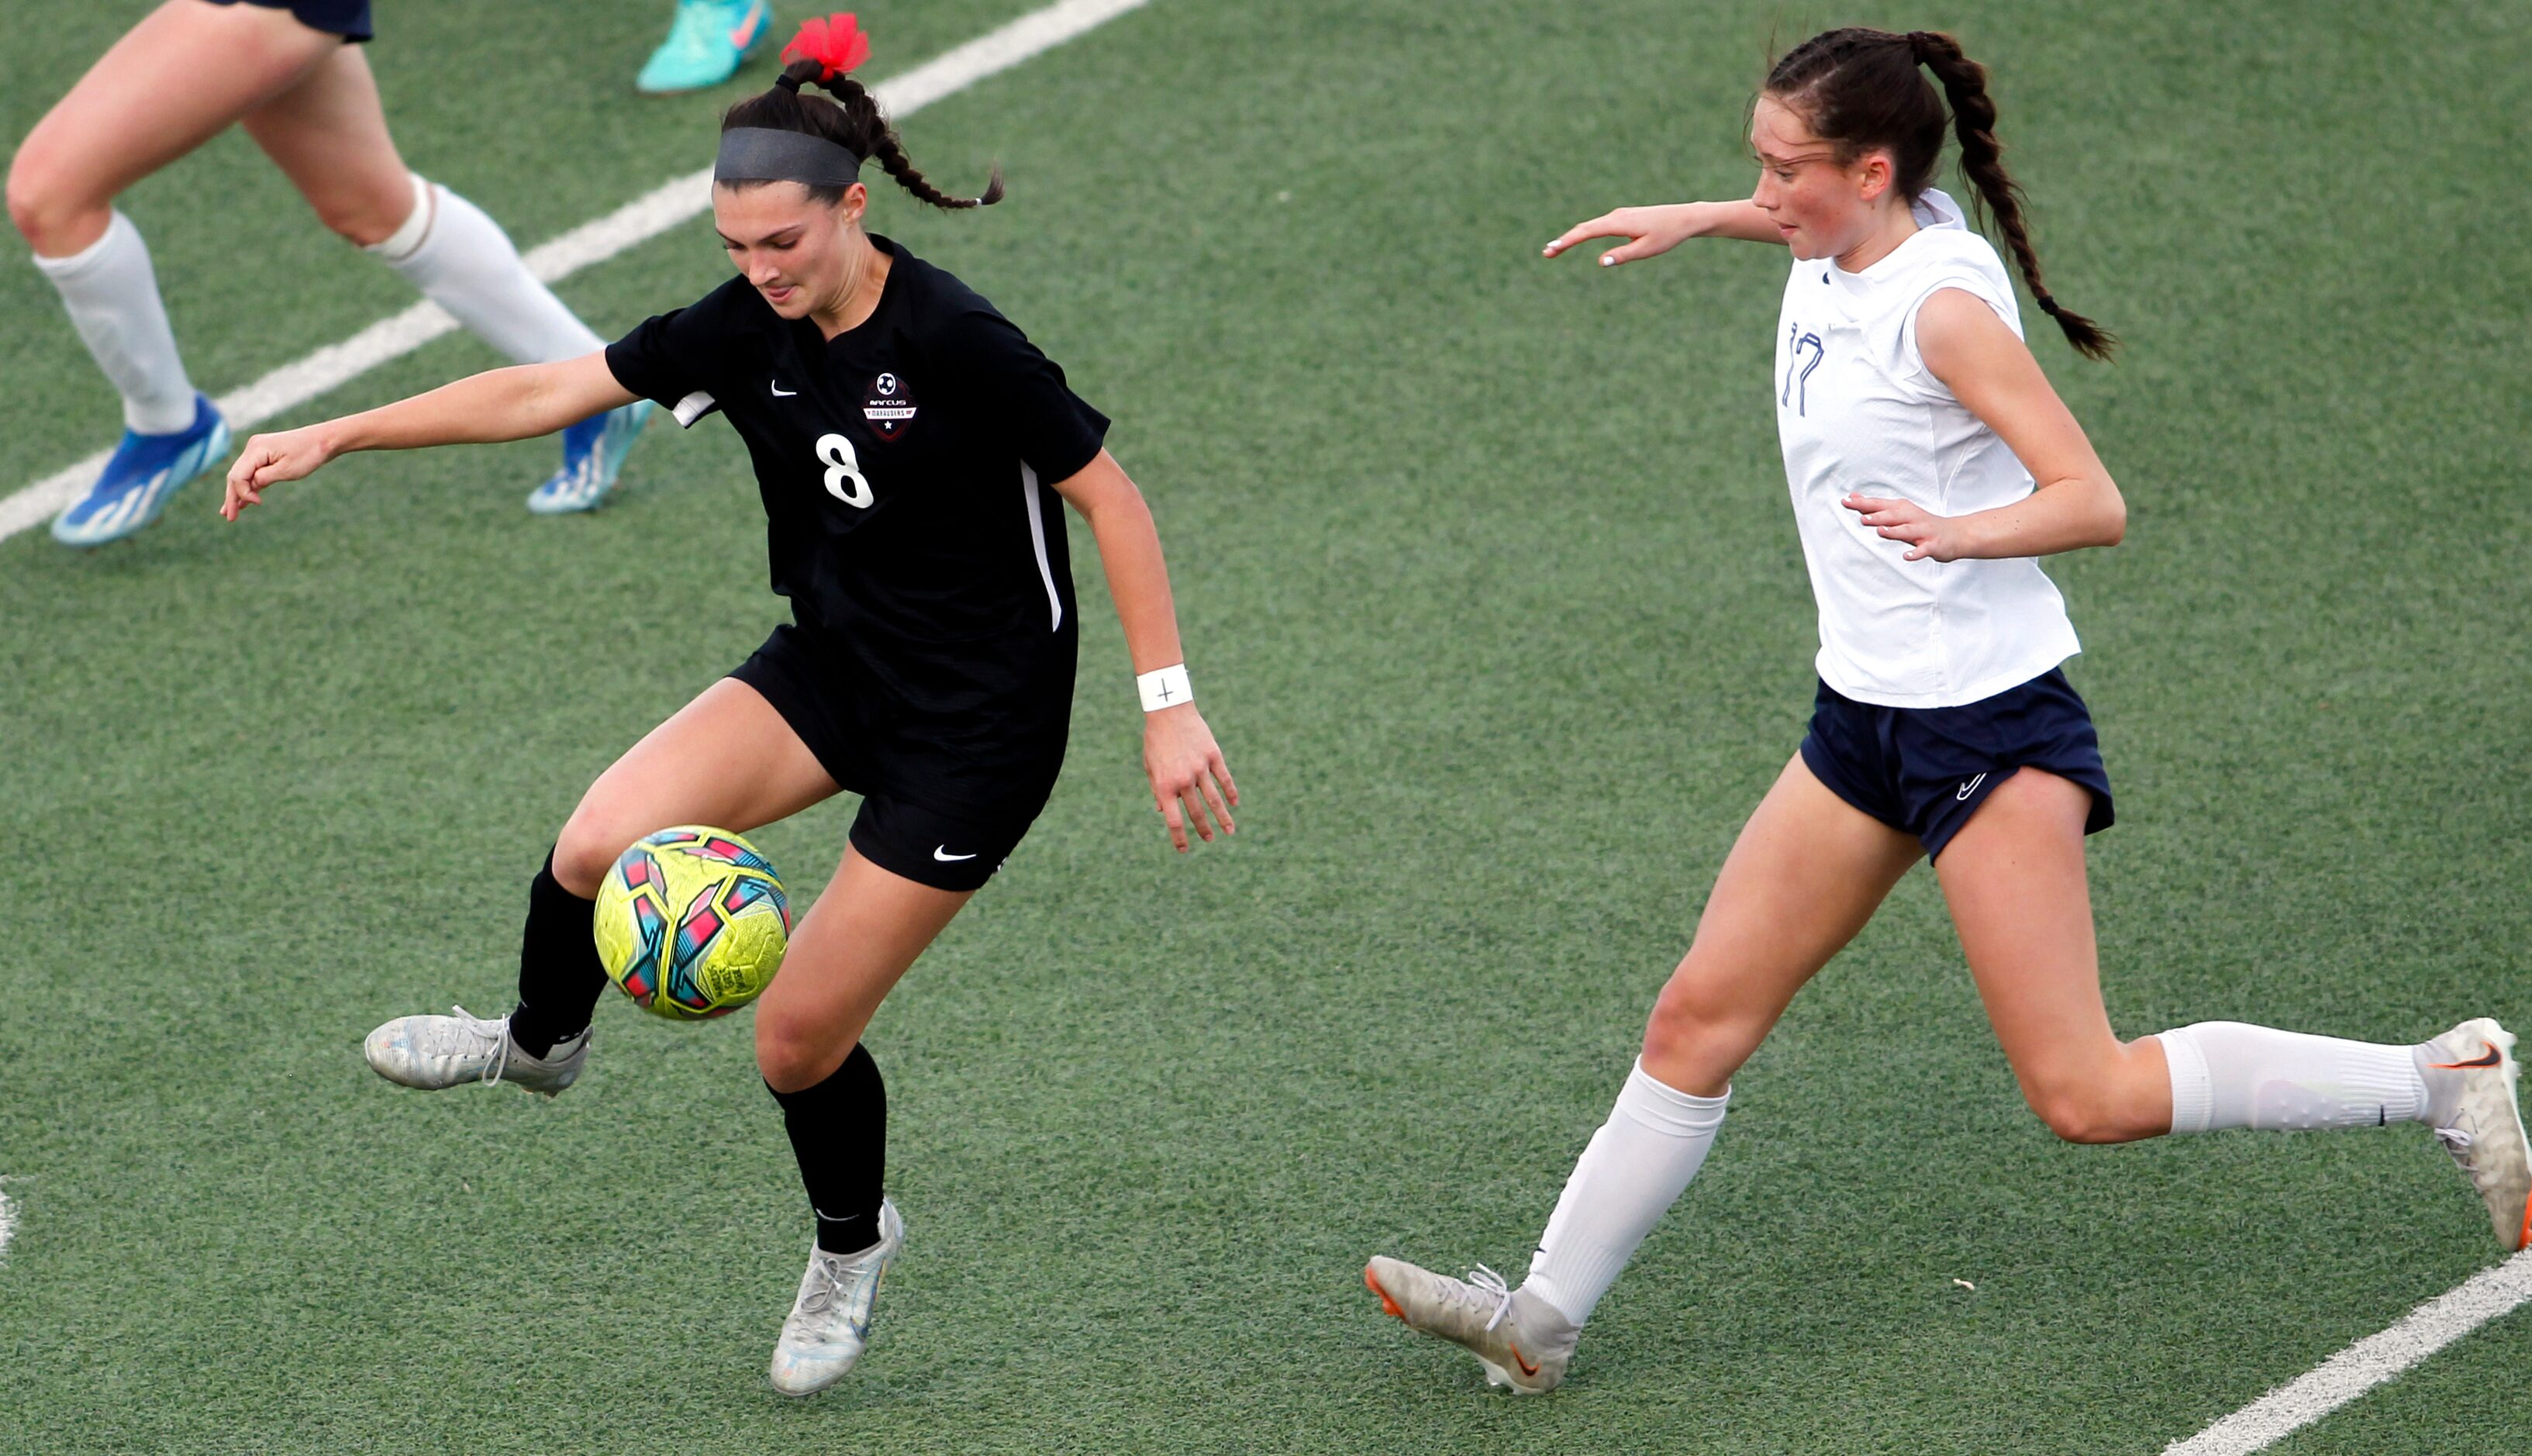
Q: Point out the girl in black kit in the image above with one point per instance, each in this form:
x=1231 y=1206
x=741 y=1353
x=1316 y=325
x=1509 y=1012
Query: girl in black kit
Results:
x=914 y=449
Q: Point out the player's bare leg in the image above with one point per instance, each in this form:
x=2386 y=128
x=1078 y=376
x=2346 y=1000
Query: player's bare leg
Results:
x=2014 y=877
x=1806 y=874
x=849 y=952
x=328 y=133
x=172 y=83
x=100 y=139
x=726 y=759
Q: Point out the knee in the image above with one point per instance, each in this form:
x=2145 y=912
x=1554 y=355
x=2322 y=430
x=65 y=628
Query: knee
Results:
x=792 y=1053
x=1694 y=1044
x=2083 y=1112
x=587 y=849
x=364 y=220
x=2119 y=1095
x=54 y=216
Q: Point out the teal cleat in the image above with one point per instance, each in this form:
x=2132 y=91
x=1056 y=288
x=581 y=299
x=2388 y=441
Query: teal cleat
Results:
x=706 y=43
x=593 y=457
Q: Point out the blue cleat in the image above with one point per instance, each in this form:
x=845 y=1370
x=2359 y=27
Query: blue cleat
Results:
x=706 y=45
x=144 y=472
x=593 y=455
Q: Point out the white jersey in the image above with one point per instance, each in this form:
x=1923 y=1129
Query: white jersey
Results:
x=1858 y=411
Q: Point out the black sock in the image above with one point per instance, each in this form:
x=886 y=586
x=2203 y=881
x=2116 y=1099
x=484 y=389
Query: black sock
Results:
x=840 y=1134
x=560 y=974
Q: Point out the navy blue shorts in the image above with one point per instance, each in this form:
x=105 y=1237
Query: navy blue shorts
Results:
x=1927 y=770
x=349 y=18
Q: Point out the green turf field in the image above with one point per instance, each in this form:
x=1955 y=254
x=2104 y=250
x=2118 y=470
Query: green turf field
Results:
x=1492 y=594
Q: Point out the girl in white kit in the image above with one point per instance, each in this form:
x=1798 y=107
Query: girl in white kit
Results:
x=1931 y=464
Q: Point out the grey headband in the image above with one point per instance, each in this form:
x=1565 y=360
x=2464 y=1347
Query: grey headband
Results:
x=771 y=154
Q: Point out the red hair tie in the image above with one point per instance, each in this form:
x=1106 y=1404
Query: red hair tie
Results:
x=837 y=43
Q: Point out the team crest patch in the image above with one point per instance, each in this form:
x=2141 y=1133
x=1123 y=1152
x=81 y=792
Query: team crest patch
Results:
x=888 y=406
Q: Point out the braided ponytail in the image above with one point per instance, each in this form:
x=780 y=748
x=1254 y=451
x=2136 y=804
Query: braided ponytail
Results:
x=1998 y=196
x=1859 y=88
x=852 y=120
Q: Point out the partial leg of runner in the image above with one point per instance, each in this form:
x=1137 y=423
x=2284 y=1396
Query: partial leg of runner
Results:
x=2014 y=876
x=1806 y=874
x=175 y=80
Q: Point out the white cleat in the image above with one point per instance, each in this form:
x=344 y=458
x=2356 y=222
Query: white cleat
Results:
x=2470 y=1073
x=435 y=1052
x=829 y=1321
x=1524 y=1342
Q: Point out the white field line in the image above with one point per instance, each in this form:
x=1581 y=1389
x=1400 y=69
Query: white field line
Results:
x=8 y=1224
x=637 y=222
x=2367 y=1363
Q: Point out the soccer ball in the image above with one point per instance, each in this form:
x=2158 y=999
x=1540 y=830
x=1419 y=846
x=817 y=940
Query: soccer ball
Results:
x=692 y=922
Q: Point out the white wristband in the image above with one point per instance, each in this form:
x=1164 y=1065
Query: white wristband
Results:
x=1165 y=687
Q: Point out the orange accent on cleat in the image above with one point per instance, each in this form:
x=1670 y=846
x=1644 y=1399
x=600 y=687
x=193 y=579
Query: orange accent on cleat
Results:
x=2521 y=1241
x=1395 y=1313
x=1526 y=1367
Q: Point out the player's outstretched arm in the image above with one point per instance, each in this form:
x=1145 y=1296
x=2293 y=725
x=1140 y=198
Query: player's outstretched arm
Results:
x=496 y=405
x=1187 y=768
x=1653 y=231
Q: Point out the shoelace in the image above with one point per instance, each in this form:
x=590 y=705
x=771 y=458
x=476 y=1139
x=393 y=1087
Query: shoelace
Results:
x=498 y=1033
x=1487 y=1282
x=2457 y=1142
x=831 y=1282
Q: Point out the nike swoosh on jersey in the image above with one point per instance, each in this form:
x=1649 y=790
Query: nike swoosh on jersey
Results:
x=778 y=391
x=1970 y=788
x=946 y=857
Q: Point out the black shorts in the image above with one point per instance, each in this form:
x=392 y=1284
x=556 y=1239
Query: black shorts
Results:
x=349 y=18
x=901 y=827
x=1927 y=770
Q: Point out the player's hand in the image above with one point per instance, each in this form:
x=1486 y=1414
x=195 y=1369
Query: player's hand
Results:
x=1189 y=775
x=1649 y=232
x=267 y=459
x=1929 y=537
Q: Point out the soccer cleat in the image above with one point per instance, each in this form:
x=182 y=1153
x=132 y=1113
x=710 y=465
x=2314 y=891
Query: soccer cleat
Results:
x=144 y=473
x=706 y=43
x=1524 y=1342
x=2470 y=1073
x=829 y=1321
x=593 y=455
x=435 y=1052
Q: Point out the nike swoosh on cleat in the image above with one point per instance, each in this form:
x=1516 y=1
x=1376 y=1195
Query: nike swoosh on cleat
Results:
x=745 y=35
x=2491 y=1059
x=779 y=393
x=1526 y=1367
x=946 y=857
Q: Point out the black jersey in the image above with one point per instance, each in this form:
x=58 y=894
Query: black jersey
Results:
x=907 y=469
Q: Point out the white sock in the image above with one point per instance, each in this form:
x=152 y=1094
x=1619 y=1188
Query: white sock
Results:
x=1638 y=1163
x=112 y=295
x=463 y=261
x=2229 y=1074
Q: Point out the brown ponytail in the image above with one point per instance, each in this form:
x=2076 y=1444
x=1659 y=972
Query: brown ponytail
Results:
x=1859 y=88
x=852 y=120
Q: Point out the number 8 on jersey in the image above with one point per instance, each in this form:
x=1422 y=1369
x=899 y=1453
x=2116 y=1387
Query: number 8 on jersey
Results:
x=844 y=465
